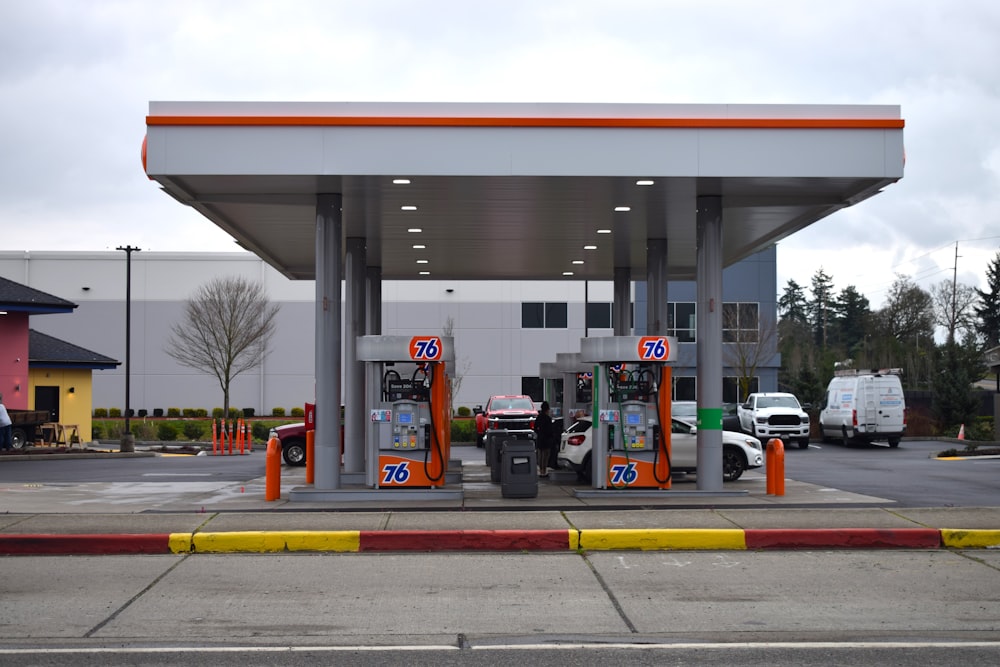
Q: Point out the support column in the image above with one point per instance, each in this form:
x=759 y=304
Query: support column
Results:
x=329 y=227
x=622 y=308
x=354 y=375
x=373 y=293
x=709 y=331
x=656 y=287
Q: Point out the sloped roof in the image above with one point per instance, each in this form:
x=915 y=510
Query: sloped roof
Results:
x=21 y=298
x=46 y=351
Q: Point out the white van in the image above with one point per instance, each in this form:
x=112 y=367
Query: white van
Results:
x=865 y=406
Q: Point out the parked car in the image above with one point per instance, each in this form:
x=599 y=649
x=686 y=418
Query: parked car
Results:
x=770 y=415
x=740 y=452
x=293 y=442
x=864 y=407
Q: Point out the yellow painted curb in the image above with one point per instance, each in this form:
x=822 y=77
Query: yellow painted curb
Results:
x=264 y=542
x=179 y=543
x=970 y=539
x=663 y=539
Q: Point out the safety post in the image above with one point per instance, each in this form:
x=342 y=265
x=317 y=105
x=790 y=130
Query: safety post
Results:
x=775 y=467
x=272 y=470
x=249 y=438
x=310 y=459
x=230 y=433
x=240 y=434
x=215 y=440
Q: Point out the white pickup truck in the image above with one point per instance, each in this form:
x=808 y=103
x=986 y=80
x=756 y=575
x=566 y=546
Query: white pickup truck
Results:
x=774 y=415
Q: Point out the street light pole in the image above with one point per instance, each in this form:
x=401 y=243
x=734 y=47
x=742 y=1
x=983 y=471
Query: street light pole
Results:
x=128 y=440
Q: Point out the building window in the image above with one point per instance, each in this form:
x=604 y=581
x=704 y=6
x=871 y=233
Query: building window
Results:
x=598 y=315
x=532 y=386
x=681 y=321
x=685 y=388
x=731 y=389
x=740 y=322
x=539 y=315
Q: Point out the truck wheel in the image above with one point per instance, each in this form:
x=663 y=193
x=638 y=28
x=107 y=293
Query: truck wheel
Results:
x=894 y=442
x=19 y=438
x=294 y=452
x=804 y=443
x=733 y=464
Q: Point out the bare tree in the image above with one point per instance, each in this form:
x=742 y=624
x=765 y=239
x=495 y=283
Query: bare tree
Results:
x=954 y=308
x=225 y=330
x=750 y=341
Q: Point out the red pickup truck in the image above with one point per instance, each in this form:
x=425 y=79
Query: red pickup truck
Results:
x=293 y=442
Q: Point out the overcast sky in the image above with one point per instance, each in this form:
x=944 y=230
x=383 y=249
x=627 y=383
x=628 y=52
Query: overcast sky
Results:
x=76 y=77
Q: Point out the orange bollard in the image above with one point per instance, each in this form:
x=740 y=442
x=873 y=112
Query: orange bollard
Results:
x=310 y=459
x=240 y=435
x=215 y=441
x=775 y=467
x=272 y=470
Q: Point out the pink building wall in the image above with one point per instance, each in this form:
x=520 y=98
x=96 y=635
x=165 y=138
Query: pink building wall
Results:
x=14 y=360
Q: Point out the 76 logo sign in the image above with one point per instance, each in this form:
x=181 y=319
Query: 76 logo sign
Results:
x=395 y=473
x=425 y=348
x=653 y=348
x=623 y=475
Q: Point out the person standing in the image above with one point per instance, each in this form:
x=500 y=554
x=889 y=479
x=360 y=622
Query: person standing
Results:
x=546 y=439
x=6 y=428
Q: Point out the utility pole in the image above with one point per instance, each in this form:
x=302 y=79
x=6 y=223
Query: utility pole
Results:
x=954 y=298
x=128 y=440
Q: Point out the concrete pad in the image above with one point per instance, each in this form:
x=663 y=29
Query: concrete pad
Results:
x=90 y=524
x=295 y=521
x=369 y=599
x=649 y=518
x=508 y=520
x=53 y=597
x=690 y=592
x=776 y=517
x=9 y=520
x=985 y=518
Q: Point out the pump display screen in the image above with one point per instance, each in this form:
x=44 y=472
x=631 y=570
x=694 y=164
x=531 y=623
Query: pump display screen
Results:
x=404 y=417
x=633 y=419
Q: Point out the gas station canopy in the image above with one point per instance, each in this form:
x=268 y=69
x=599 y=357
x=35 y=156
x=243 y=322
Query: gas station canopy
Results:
x=517 y=191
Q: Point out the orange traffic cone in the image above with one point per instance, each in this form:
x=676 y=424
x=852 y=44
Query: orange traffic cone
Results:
x=961 y=432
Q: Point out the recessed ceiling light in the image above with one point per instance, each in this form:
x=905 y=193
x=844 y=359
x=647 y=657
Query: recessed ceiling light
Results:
x=400 y=181
x=418 y=246
x=622 y=209
x=603 y=231
x=421 y=261
x=425 y=273
x=408 y=207
x=644 y=182
x=578 y=261
x=590 y=247
x=414 y=230
x=567 y=273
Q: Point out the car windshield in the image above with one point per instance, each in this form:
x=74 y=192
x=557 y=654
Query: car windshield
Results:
x=512 y=404
x=777 y=402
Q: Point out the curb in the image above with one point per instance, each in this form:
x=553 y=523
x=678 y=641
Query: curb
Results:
x=424 y=541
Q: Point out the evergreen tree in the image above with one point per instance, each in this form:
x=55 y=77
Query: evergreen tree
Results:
x=988 y=308
x=820 y=308
x=954 y=402
x=851 y=312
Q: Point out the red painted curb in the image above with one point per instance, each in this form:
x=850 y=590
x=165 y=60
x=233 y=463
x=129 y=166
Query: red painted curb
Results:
x=84 y=544
x=843 y=538
x=465 y=540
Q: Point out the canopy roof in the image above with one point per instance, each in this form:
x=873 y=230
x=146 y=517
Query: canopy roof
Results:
x=517 y=191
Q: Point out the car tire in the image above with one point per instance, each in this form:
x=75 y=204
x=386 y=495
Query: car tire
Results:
x=733 y=464
x=804 y=443
x=586 y=472
x=294 y=452
x=894 y=442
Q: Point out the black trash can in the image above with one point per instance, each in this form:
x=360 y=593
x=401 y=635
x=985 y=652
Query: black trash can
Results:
x=518 y=469
x=494 y=442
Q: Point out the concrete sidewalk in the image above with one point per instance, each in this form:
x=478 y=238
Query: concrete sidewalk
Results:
x=226 y=517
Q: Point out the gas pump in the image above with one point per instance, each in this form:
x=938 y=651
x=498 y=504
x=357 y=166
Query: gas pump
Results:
x=632 y=392
x=406 y=444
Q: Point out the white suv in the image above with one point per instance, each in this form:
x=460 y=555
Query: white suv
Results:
x=739 y=452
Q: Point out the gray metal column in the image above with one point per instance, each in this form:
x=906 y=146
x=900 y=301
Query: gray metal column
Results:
x=354 y=373
x=622 y=307
x=656 y=287
x=373 y=310
x=329 y=227
x=709 y=331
